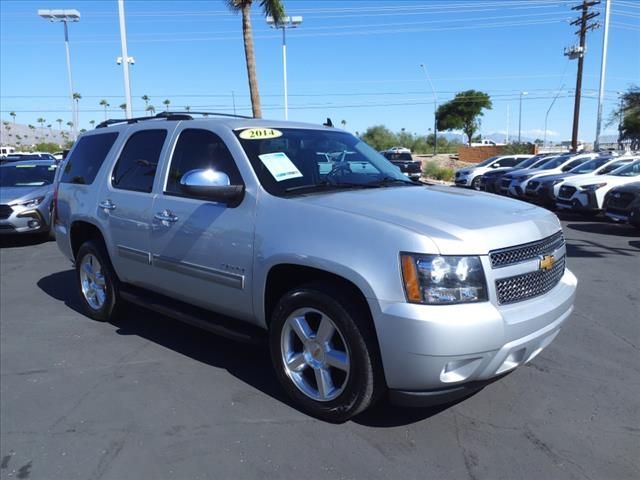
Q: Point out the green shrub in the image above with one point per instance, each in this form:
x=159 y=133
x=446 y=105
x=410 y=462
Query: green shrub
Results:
x=431 y=169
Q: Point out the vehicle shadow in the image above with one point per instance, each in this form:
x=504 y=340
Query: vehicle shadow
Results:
x=606 y=228
x=26 y=240
x=250 y=363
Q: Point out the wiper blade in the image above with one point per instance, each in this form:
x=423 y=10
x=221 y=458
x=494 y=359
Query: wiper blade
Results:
x=324 y=185
x=383 y=182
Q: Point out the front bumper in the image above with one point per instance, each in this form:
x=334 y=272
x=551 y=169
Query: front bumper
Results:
x=581 y=201
x=433 y=354
x=26 y=220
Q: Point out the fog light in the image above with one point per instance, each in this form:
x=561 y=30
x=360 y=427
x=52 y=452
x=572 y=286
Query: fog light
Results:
x=459 y=370
x=34 y=224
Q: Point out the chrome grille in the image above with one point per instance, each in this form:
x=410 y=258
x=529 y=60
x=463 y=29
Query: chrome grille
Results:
x=529 y=285
x=527 y=251
x=5 y=211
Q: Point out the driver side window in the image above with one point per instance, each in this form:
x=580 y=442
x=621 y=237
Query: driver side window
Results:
x=199 y=149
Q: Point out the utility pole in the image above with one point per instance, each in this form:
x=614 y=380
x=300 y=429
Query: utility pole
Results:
x=578 y=52
x=603 y=71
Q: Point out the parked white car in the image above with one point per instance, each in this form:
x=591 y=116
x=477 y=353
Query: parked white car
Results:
x=585 y=194
x=543 y=190
x=470 y=176
x=562 y=163
x=398 y=150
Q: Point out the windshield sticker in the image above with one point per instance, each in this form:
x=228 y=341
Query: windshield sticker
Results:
x=25 y=166
x=259 y=133
x=280 y=166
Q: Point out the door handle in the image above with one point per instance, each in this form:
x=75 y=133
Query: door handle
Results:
x=166 y=217
x=107 y=205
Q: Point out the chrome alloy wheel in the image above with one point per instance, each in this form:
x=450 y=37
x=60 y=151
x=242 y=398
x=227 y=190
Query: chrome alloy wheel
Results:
x=314 y=354
x=92 y=282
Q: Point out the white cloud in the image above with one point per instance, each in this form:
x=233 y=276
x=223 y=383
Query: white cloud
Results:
x=539 y=132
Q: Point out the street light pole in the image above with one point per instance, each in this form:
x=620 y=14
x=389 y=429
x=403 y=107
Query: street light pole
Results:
x=603 y=72
x=546 y=117
x=520 y=117
x=284 y=23
x=435 y=110
x=65 y=16
x=125 y=59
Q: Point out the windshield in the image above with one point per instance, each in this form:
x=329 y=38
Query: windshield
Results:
x=554 y=162
x=289 y=161
x=26 y=175
x=613 y=166
x=632 y=170
x=589 y=166
x=527 y=162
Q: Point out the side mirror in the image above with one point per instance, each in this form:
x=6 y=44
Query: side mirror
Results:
x=211 y=185
x=495 y=165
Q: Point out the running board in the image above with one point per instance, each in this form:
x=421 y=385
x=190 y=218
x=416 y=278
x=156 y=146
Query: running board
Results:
x=198 y=317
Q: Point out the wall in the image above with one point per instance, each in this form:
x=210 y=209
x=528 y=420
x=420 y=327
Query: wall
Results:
x=478 y=154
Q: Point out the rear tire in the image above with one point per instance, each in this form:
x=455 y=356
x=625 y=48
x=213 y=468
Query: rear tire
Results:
x=324 y=353
x=97 y=282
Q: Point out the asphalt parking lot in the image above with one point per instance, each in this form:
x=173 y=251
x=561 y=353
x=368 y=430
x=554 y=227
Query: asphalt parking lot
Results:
x=152 y=398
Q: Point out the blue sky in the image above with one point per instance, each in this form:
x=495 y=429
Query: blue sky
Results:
x=357 y=61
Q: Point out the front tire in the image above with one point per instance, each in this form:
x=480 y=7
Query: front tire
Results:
x=97 y=282
x=475 y=183
x=324 y=353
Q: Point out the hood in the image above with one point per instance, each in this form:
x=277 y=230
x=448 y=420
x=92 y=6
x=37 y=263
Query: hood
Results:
x=496 y=172
x=16 y=194
x=460 y=222
x=553 y=177
x=630 y=187
x=516 y=172
x=608 y=179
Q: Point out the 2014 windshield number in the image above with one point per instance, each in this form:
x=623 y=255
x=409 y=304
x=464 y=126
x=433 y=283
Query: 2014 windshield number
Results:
x=260 y=133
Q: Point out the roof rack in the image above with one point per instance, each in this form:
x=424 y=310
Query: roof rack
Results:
x=166 y=116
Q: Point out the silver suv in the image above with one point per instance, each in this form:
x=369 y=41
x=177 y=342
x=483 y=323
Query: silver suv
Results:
x=363 y=281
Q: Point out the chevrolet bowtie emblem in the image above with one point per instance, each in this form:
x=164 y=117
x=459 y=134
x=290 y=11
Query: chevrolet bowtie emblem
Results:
x=547 y=262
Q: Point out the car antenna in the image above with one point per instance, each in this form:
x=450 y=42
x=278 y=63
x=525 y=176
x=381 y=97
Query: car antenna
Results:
x=328 y=123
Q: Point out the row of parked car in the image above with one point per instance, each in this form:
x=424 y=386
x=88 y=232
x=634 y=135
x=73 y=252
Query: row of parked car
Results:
x=584 y=183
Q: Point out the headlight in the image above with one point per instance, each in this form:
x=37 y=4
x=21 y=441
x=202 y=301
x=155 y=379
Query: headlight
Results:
x=593 y=187
x=443 y=280
x=526 y=177
x=33 y=202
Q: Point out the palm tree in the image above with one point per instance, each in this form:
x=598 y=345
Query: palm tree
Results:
x=41 y=121
x=151 y=109
x=146 y=100
x=70 y=125
x=343 y=123
x=59 y=120
x=187 y=108
x=105 y=104
x=13 y=114
x=123 y=106
x=92 y=122
x=274 y=8
x=76 y=98
x=167 y=102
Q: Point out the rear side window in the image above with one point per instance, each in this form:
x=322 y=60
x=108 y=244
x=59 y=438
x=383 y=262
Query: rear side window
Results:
x=509 y=162
x=87 y=158
x=138 y=162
